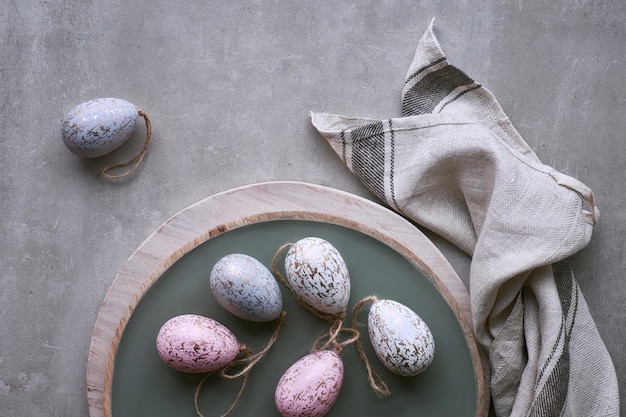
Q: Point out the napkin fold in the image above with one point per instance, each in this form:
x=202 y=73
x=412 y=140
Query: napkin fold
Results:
x=454 y=163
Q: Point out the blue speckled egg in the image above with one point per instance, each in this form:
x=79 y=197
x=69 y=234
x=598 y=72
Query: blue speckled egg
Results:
x=401 y=339
x=246 y=288
x=97 y=127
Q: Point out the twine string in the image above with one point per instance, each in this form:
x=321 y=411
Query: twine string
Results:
x=196 y=394
x=244 y=357
x=244 y=352
x=137 y=159
x=375 y=380
x=332 y=338
x=250 y=361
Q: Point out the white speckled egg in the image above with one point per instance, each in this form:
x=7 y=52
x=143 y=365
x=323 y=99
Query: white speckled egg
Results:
x=401 y=339
x=246 y=288
x=318 y=274
x=97 y=127
x=196 y=344
x=310 y=387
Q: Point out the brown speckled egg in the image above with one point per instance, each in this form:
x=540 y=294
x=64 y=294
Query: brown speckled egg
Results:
x=196 y=344
x=318 y=274
x=401 y=339
x=310 y=387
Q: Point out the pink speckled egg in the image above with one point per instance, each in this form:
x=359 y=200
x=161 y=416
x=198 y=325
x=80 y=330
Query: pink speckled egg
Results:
x=196 y=344
x=310 y=386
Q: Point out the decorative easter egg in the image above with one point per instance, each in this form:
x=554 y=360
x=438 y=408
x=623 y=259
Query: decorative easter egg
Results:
x=246 y=288
x=401 y=339
x=97 y=127
x=318 y=275
x=310 y=386
x=196 y=344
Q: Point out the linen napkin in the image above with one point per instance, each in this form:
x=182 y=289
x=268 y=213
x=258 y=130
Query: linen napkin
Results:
x=454 y=163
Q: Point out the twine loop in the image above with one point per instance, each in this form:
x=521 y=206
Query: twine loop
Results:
x=196 y=394
x=375 y=380
x=331 y=338
x=250 y=361
x=244 y=358
x=137 y=159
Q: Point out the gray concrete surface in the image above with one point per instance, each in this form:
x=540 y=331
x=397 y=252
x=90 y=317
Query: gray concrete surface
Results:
x=229 y=86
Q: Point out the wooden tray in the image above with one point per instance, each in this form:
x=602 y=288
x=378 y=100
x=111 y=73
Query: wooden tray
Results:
x=168 y=275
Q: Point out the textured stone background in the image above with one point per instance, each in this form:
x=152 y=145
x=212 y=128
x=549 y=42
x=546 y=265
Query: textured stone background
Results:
x=229 y=86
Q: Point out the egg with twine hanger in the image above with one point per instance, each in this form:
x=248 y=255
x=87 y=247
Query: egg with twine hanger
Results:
x=244 y=287
x=400 y=338
x=193 y=343
x=98 y=127
x=317 y=276
x=313 y=383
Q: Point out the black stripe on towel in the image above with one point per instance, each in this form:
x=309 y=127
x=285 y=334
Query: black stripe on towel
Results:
x=428 y=92
x=368 y=157
x=392 y=166
x=424 y=68
x=550 y=401
x=342 y=136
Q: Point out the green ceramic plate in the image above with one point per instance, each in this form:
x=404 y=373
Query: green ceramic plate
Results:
x=141 y=385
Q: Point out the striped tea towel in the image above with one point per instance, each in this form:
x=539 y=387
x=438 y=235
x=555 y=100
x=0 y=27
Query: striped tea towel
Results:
x=454 y=164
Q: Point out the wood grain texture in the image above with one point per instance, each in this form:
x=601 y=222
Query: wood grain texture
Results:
x=254 y=204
